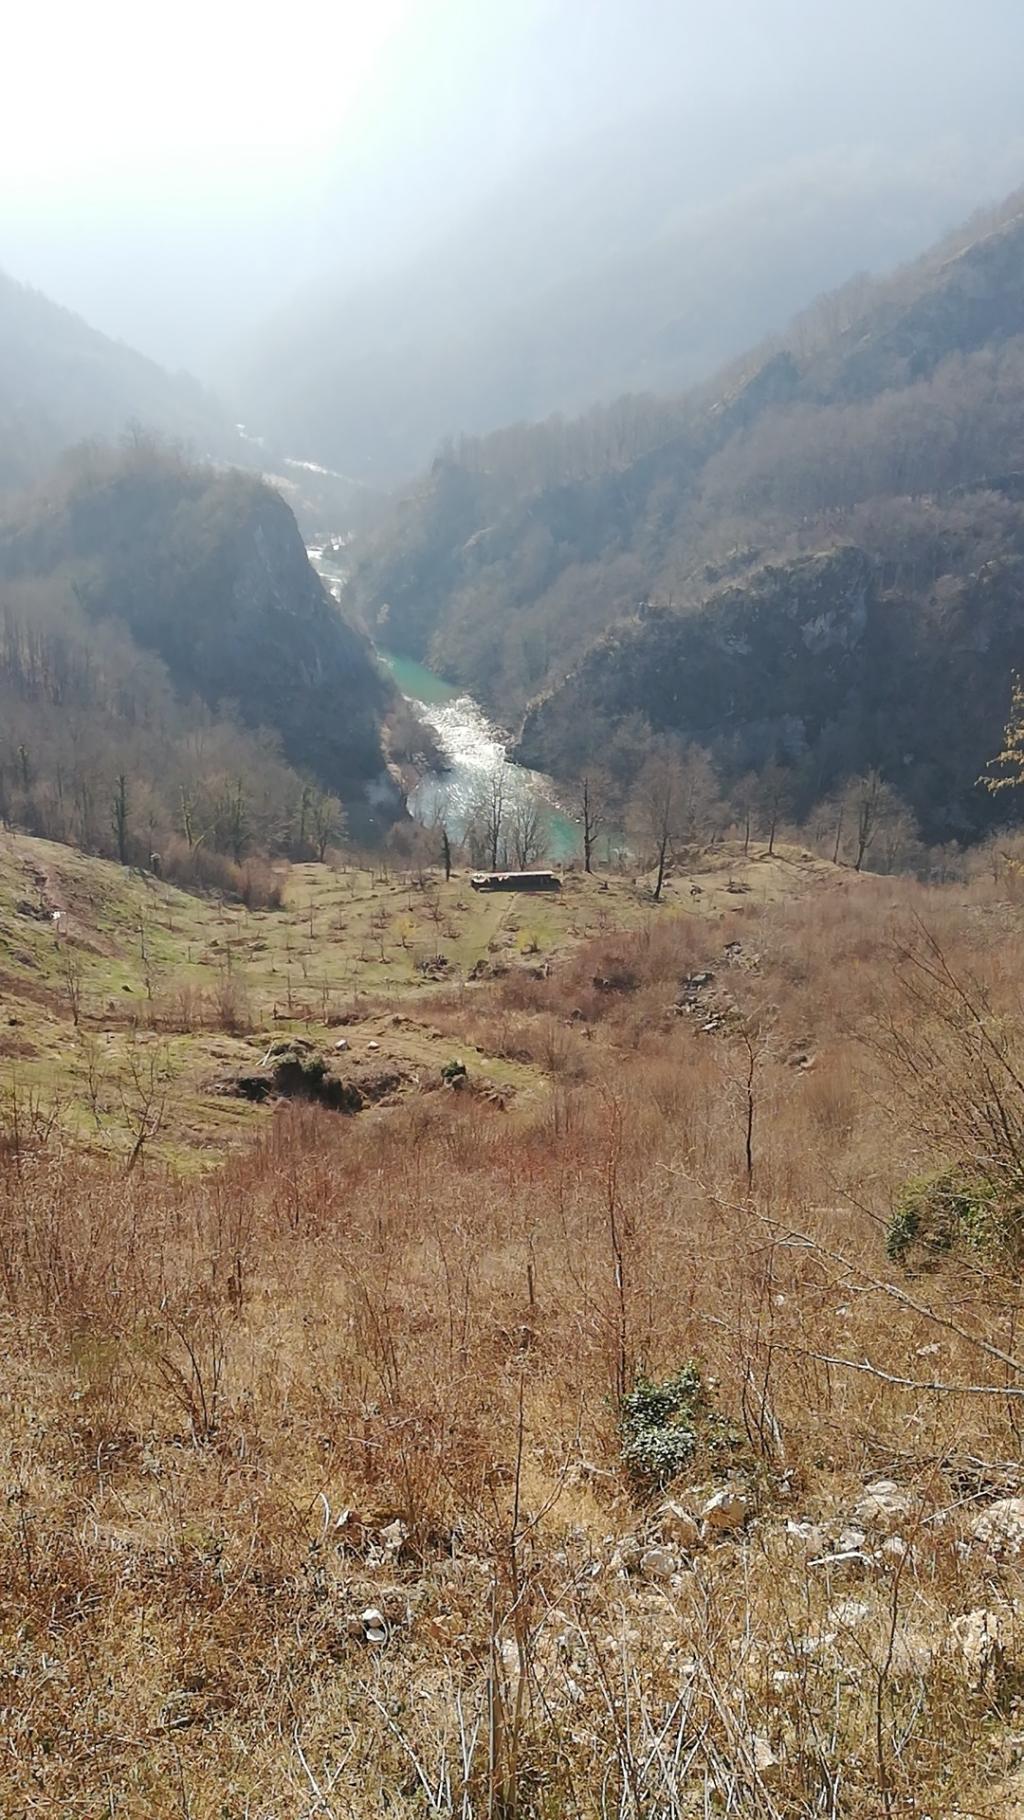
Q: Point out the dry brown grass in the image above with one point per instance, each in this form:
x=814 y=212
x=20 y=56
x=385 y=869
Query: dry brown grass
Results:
x=426 y=1314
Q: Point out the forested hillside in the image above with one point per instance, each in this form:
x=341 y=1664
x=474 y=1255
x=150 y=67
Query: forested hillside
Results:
x=881 y=437
x=61 y=381
x=160 y=624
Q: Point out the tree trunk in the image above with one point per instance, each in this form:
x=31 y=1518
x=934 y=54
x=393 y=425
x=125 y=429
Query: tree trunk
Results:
x=662 y=851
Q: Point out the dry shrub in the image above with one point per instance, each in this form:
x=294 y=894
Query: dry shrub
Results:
x=230 y=1007
x=255 y=882
x=185 y=1007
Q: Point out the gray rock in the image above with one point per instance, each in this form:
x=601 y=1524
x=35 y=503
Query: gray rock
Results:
x=658 y=1563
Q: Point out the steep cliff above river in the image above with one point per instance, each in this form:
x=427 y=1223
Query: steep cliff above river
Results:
x=207 y=569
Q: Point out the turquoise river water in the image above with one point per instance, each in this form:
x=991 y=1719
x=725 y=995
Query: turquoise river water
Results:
x=473 y=746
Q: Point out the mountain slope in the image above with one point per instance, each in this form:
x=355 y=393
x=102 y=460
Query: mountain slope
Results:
x=206 y=570
x=61 y=381
x=887 y=424
x=639 y=260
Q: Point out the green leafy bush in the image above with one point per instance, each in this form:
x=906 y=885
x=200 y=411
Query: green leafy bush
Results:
x=933 y=1214
x=659 y=1422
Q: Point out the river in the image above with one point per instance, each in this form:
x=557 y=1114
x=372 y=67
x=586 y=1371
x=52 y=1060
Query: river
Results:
x=472 y=746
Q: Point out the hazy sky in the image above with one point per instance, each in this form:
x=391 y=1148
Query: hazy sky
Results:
x=173 y=172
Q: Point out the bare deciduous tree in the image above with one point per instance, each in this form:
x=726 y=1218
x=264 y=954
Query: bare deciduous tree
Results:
x=594 y=795
x=489 y=813
x=526 y=831
x=326 y=824
x=656 y=808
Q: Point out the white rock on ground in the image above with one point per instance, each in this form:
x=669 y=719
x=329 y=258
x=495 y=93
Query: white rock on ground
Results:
x=884 y=1505
x=981 y=1638
x=394 y=1536
x=811 y=1536
x=1000 y=1528
x=370 y=1626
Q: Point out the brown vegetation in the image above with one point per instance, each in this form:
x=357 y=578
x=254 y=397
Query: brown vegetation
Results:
x=314 y=1493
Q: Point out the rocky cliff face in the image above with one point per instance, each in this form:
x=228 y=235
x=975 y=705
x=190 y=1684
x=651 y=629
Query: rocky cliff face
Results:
x=761 y=665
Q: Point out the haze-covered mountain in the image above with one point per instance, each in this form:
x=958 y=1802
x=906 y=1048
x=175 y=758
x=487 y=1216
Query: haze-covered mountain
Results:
x=638 y=259
x=62 y=382
x=816 y=559
x=144 y=593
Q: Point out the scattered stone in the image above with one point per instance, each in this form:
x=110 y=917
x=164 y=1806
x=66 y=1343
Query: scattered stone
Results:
x=679 y=1525
x=727 y=1509
x=658 y=1563
x=626 y=1557
x=394 y=1537
x=696 y=982
x=370 y=1626
x=342 y=1043
x=885 y=1505
x=813 y=1536
x=373 y=1045
x=1000 y=1528
x=981 y=1638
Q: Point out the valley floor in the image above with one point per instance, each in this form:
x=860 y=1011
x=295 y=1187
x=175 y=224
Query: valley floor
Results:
x=321 y=1493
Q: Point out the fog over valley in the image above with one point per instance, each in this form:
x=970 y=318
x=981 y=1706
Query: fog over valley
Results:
x=370 y=230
